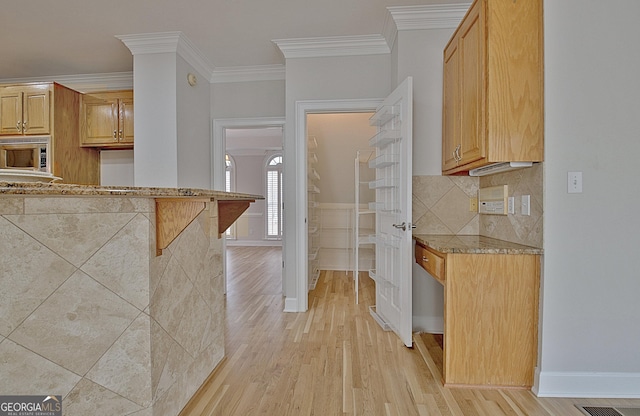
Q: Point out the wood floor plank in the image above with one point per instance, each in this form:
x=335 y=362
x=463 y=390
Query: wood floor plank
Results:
x=335 y=359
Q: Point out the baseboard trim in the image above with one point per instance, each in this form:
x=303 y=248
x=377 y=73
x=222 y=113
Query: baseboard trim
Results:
x=291 y=305
x=254 y=243
x=587 y=385
x=428 y=324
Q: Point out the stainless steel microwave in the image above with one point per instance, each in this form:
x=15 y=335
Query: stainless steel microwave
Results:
x=28 y=153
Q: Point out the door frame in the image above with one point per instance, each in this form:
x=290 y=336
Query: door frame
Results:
x=296 y=254
x=219 y=127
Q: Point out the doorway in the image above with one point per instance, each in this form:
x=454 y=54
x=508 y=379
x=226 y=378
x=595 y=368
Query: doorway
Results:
x=296 y=209
x=243 y=151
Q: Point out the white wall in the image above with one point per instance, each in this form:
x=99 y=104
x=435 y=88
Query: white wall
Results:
x=116 y=168
x=193 y=128
x=590 y=330
x=419 y=54
x=155 y=122
x=248 y=99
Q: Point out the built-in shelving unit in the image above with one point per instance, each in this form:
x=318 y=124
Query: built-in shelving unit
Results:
x=364 y=231
x=385 y=164
x=313 y=231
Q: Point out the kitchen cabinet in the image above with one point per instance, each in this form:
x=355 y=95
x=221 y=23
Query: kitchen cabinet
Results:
x=493 y=87
x=490 y=312
x=107 y=119
x=25 y=109
x=51 y=110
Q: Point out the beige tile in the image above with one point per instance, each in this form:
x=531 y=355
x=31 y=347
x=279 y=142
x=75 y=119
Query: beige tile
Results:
x=169 y=301
x=79 y=205
x=469 y=185
x=11 y=205
x=24 y=372
x=191 y=249
x=76 y=325
x=89 y=398
x=75 y=237
x=178 y=360
x=126 y=367
x=431 y=224
x=161 y=344
x=122 y=264
x=453 y=210
x=195 y=323
x=430 y=189
x=26 y=280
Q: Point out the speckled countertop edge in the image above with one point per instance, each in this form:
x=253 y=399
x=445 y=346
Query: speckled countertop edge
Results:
x=473 y=244
x=62 y=189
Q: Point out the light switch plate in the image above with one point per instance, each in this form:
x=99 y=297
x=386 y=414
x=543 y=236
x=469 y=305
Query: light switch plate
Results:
x=574 y=182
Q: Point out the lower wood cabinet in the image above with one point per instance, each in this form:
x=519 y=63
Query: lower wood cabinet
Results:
x=490 y=316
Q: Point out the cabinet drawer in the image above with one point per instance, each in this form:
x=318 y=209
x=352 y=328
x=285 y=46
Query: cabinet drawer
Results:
x=431 y=262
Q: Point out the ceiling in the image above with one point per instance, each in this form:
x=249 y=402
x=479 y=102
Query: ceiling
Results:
x=41 y=38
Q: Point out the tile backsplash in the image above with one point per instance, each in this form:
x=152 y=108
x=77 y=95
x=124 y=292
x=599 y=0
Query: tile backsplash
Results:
x=441 y=206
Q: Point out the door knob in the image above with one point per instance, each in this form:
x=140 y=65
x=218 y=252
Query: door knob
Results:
x=402 y=226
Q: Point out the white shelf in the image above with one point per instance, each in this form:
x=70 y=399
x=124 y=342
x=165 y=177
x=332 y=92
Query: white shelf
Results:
x=383 y=183
x=383 y=115
x=384 y=160
x=385 y=137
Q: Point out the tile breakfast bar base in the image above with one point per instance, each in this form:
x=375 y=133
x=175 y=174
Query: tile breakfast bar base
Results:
x=91 y=312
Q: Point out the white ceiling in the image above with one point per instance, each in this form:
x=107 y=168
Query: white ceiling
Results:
x=44 y=38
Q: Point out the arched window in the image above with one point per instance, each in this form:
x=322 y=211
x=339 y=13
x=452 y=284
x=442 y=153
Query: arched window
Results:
x=274 y=197
x=229 y=186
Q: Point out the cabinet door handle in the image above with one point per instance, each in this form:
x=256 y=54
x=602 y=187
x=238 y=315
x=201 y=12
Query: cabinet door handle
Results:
x=456 y=154
x=426 y=260
x=115 y=135
x=18 y=125
x=120 y=134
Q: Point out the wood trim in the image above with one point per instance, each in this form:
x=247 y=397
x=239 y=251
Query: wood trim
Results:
x=229 y=211
x=173 y=216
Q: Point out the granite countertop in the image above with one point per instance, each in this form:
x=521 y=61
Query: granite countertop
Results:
x=62 y=189
x=473 y=244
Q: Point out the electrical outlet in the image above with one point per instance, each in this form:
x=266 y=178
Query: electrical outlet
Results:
x=473 y=204
x=525 y=205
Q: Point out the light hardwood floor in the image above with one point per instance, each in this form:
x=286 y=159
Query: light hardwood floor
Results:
x=335 y=359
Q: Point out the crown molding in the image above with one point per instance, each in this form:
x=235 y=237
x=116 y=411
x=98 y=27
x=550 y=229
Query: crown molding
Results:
x=333 y=46
x=248 y=73
x=168 y=42
x=435 y=16
x=84 y=82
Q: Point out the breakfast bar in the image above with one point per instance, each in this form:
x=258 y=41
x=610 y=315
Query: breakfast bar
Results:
x=112 y=297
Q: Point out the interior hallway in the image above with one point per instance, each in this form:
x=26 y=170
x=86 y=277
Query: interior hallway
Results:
x=334 y=359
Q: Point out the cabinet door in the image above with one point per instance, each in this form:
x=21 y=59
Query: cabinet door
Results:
x=100 y=120
x=451 y=107
x=35 y=111
x=126 y=120
x=10 y=111
x=472 y=94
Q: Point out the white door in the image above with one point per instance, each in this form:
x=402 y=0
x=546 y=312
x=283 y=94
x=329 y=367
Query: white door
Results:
x=393 y=211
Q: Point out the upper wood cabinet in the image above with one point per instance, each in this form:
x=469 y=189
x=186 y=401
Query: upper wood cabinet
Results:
x=493 y=87
x=107 y=119
x=25 y=109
